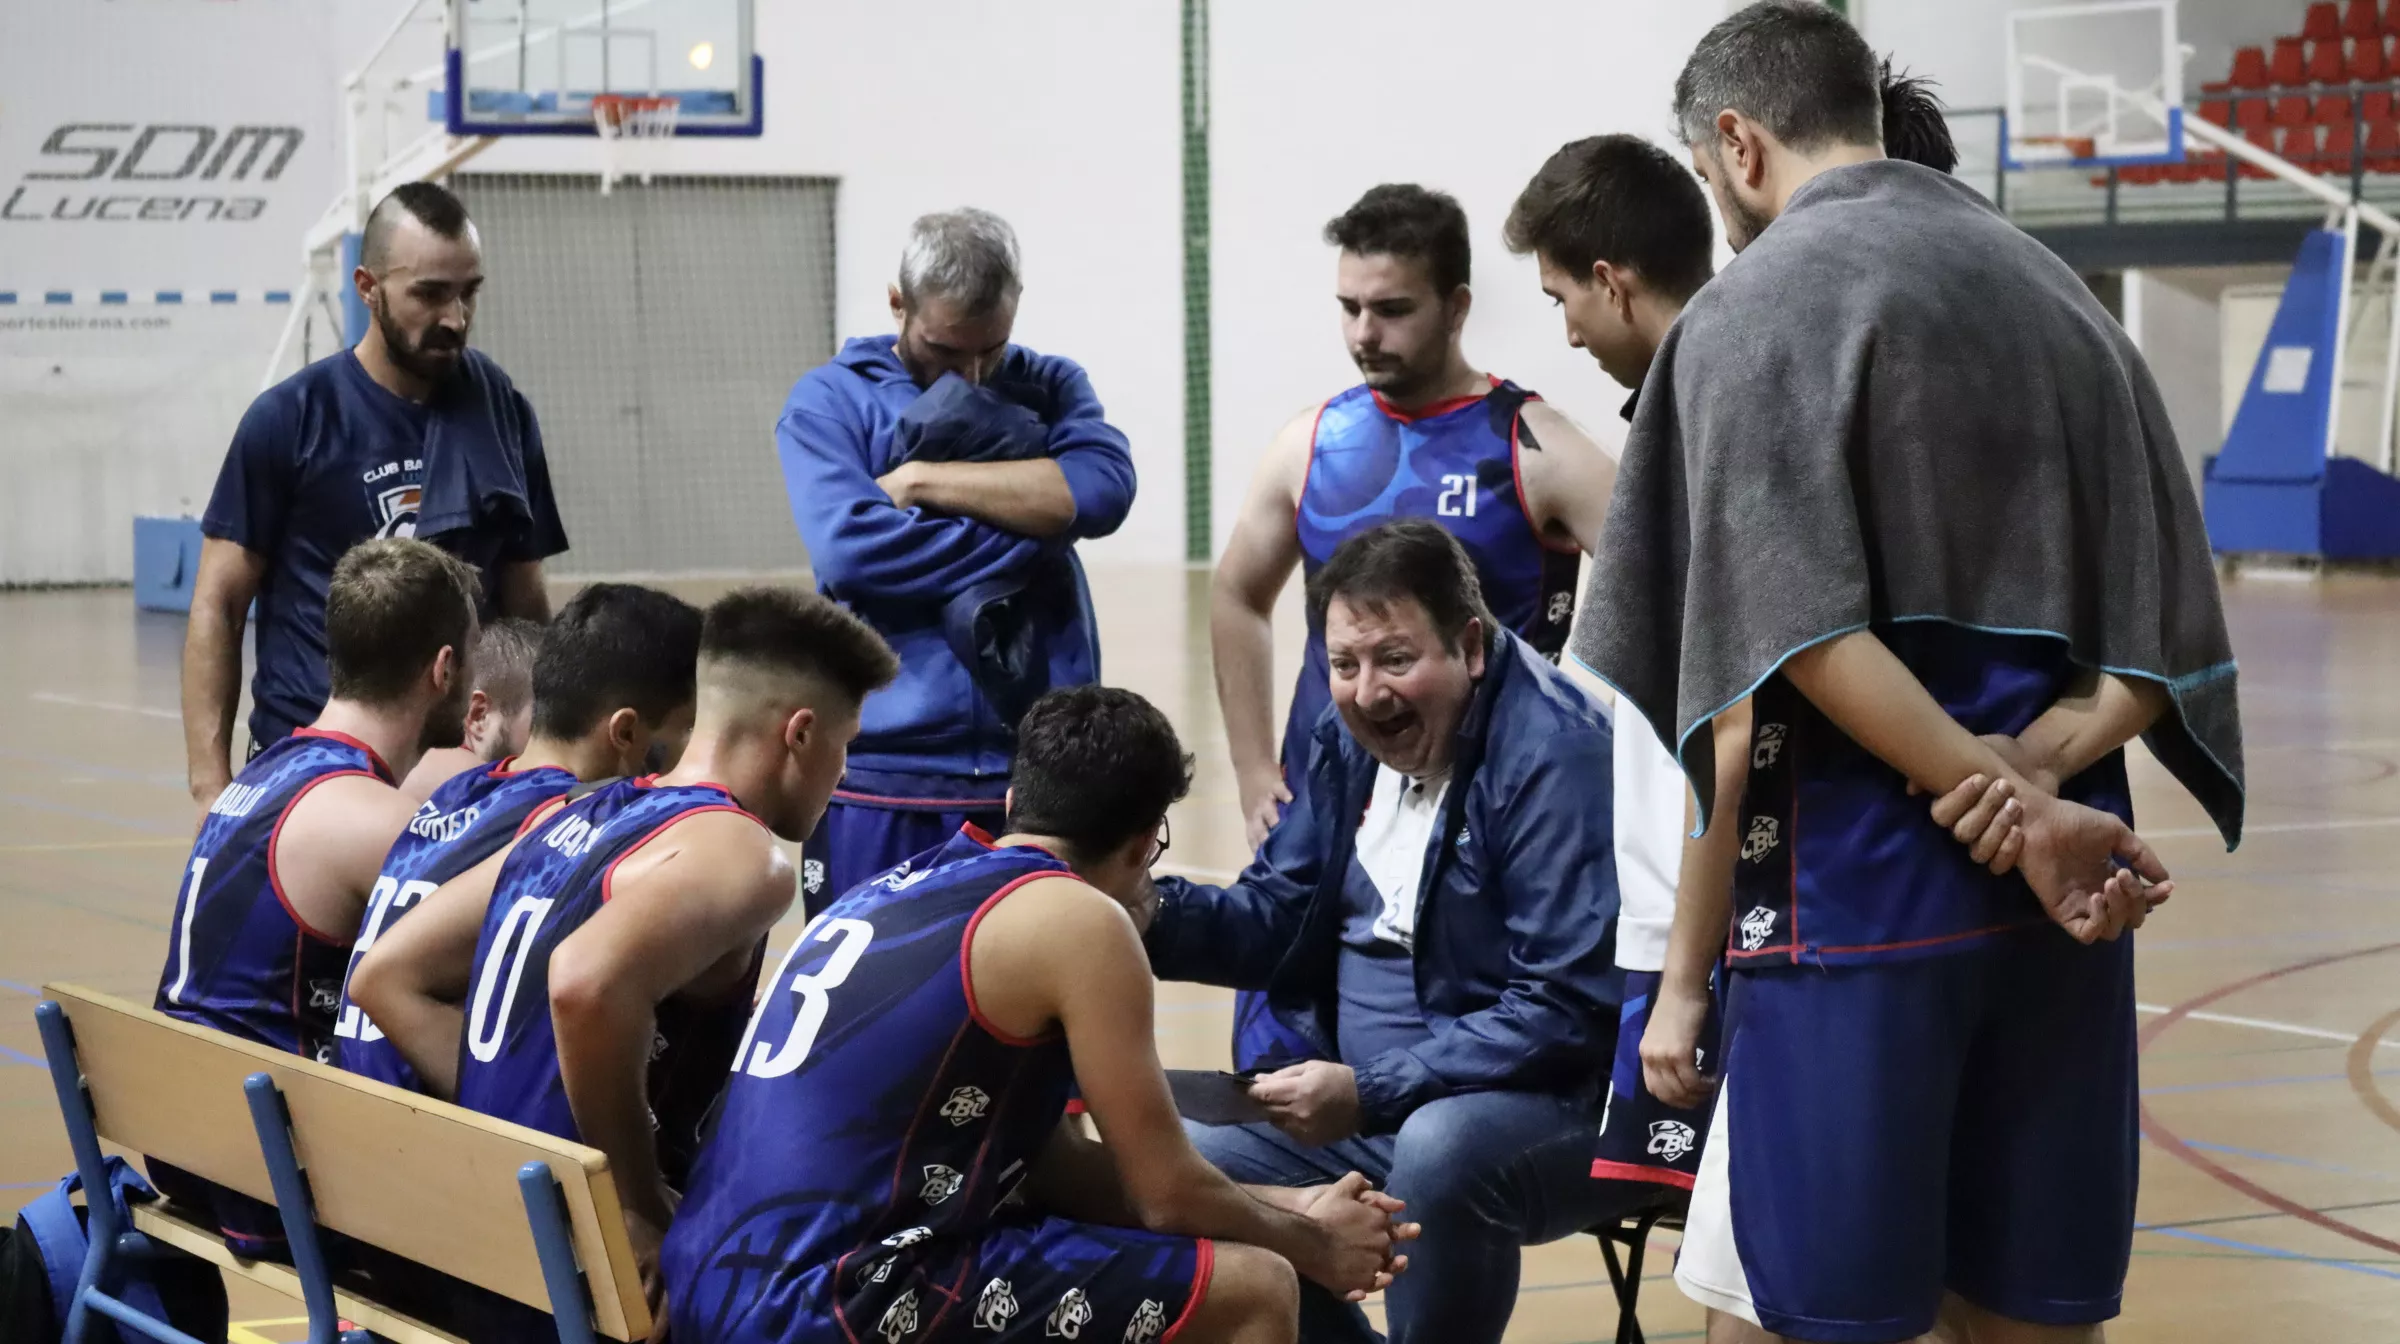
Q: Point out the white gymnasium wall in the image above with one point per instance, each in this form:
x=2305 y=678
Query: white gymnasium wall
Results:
x=115 y=177
x=1062 y=116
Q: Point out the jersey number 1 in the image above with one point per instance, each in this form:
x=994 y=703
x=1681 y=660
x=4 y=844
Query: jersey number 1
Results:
x=183 y=935
x=808 y=1017
x=1457 y=498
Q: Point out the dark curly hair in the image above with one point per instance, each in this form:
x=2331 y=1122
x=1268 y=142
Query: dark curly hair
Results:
x=1095 y=766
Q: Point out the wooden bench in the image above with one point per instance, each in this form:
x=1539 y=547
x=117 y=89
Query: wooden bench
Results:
x=512 y=1210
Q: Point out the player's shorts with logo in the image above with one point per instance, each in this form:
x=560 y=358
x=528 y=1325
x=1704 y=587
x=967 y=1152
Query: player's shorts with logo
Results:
x=1641 y=1137
x=1929 y=1087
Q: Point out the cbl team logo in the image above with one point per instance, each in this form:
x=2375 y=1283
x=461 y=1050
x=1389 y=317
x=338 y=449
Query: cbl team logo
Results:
x=1757 y=927
x=1562 y=605
x=965 y=1106
x=1765 y=834
x=940 y=1183
x=812 y=876
x=900 y=1319
x=997 y=1307
x=1067 y=1319
x=1671 y=1139
x=1148 y=1323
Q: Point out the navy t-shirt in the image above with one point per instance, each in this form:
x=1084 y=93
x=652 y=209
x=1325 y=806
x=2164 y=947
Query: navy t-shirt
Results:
x=324 y=460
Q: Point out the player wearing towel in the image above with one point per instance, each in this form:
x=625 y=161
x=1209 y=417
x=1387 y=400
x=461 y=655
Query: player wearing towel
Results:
x=1931 y=492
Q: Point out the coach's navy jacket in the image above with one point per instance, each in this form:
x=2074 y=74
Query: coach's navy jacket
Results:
x=899 y=568
x=1516 y=923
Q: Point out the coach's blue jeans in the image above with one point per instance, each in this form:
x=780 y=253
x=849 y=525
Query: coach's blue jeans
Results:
x=1487 y=1174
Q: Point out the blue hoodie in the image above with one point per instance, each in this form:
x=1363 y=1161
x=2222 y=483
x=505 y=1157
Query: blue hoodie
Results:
x=1515 y=948
x=899 y=568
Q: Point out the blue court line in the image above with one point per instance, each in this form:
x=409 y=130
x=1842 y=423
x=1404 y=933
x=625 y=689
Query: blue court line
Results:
x=14 y=1056
x=20 y=988
x=2256 y=1155
x=2270 y=1252
x=2261 y=1082
x=104 y=818
x=27 y=1185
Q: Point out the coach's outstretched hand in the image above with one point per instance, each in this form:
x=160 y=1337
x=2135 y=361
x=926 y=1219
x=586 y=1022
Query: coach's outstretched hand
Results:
x=1362 y=1233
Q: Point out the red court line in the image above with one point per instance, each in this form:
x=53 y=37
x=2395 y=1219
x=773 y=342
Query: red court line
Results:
x=2169 y=1140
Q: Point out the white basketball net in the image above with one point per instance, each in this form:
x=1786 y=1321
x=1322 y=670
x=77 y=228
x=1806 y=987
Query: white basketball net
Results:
x=633 y=134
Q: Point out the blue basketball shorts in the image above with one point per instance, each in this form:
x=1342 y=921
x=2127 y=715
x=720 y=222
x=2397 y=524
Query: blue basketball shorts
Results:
x=1891 y=1131
x=857 y=842
x=1641 y=1137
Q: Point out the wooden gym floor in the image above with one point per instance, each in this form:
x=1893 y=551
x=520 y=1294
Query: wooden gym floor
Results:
x=2271 y=1004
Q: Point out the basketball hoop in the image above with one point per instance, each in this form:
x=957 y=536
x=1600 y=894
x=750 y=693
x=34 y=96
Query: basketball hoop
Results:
x=623 y=120
x=2076 y=147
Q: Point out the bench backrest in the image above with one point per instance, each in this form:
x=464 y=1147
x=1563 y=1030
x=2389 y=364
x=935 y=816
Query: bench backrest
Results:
x=420 y=1178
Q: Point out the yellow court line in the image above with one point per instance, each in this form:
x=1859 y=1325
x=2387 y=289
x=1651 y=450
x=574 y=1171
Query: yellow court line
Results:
x=95 y=844
x=241 y=1332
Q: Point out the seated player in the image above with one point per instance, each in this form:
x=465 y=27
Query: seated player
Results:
x=650 y=897
x=893 y=1159
x=287 y=854
x=499 y=708
x=1436 y=923
x=610 y=691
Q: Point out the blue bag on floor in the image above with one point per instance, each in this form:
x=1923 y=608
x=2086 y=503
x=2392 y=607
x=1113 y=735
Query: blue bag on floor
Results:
x=41 y=1263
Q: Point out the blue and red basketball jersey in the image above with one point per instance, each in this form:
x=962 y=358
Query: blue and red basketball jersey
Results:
x=874 y=1122
x=1454 y=462
x=467 y=820
x=239 y=958
x=551 y=884
x=1839 y=863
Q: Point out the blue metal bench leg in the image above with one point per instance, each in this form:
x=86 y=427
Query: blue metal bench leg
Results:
x=554 y=1241
x=106 y=1239
x=292 y=1200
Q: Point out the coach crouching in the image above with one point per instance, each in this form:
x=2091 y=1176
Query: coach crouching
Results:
x=1439 y=924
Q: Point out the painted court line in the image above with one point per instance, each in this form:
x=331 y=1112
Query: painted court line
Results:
x=146 y=711
x=2260 y=1024
x=11 y=1055
x=2275 y=828
x=2270 y=1252
x=2281 y=1081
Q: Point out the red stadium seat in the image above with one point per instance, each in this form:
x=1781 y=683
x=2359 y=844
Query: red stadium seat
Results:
x=2216 y=110
x=2326 y=62
x=2252 y=113
x=2290 y=112
x=2331 y=110
x=2334 y=150
x=2264 y=138
x=2298 y=144
x=2367 y=63
x=2359 y=19
x=2383 y=146
x=2205 y=165
x=2324 y=22
x=2288 y=68
x=2250 y=65
x=2391 y=16
x=2376 y=106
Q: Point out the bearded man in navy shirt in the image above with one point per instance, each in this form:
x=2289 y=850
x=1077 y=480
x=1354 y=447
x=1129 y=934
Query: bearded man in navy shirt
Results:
x=408 y=433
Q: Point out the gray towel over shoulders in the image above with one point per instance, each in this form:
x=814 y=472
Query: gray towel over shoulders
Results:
x=1895 y=405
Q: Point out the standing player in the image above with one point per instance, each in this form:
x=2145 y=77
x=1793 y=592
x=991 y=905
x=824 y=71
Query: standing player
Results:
x=499 y=708
x=532 y=988
x=611 y=691
x=288 y=852
x=1425 y=435
x=1876 y=481
x=893 y=1159
x=410 y=433
x=1622 y=234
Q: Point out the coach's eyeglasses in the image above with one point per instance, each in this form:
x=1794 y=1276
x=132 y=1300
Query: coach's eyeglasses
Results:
x=1161 y=842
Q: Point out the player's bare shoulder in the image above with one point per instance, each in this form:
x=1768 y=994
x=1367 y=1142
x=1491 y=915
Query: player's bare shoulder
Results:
x=1555 y=432
x=723 y=851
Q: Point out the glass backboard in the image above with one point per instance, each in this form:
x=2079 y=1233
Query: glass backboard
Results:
x=532 y=67
x=2094 y=84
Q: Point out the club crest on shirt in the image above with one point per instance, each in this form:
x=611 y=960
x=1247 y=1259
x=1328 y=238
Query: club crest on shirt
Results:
x=997 y=1307
x=1767 y=747
x=965 y=1106
x=900 y=1319
x=1757 y=927
x=1765 y=834
x=812 y=876
x=1670 y=1139
x=395 y=511
x=1148 y=1323
x=940 y=1183
x=1067 y=1319
x=1562 y=605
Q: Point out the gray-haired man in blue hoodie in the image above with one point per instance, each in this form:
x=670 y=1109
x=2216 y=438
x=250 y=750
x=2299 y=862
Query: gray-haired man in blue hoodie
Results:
x=940 y=478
